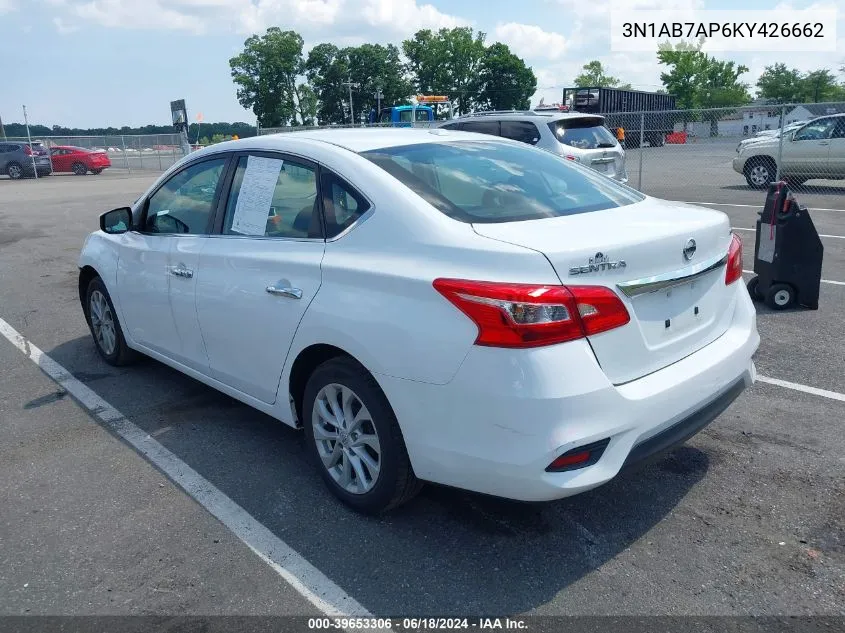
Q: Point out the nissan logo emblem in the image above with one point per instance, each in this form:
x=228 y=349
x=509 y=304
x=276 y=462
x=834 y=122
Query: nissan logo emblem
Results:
x=689 y=249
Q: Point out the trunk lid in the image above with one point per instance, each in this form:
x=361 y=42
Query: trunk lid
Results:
x=673 y=314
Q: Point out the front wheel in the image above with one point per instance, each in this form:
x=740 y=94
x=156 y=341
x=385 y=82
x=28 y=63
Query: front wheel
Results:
x=15 y=171
x=354 y=438
x=104 y=326
x=759 y=172
x=79 y=169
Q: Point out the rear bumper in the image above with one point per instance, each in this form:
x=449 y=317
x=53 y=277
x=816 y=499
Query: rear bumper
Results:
x=508 y=414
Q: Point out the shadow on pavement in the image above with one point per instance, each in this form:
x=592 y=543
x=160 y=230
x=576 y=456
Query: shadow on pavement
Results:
x=447 y=552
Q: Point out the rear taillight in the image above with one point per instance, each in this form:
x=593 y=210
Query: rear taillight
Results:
x=525 y=315
x=734 y=268
x=571 y=157
x=27 y=150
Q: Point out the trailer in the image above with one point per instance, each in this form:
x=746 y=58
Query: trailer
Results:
x=649 y=115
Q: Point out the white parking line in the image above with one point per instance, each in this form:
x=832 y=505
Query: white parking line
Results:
x=306 y=579
x=824 y=393
x=824 y=281
x=838 y=237
x=749 y=206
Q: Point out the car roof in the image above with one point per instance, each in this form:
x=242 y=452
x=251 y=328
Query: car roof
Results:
x=355 y=139
x=526 y=116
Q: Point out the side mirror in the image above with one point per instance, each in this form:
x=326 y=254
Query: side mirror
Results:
x=116 y=221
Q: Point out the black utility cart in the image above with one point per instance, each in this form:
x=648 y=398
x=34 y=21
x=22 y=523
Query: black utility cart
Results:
x=787 y=253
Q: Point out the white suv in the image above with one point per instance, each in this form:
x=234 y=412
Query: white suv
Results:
x=815 y=150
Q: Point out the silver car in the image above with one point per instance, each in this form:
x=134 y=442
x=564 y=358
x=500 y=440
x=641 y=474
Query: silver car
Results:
x=576 y=136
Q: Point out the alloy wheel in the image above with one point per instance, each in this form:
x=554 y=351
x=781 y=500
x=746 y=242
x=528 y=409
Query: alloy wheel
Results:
x=759 y=175
x=102 y=323
x=346 y=438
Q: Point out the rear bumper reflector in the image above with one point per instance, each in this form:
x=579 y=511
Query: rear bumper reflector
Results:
x=579 y=457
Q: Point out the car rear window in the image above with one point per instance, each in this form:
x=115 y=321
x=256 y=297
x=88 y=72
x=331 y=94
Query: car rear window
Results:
x=588 y=133
x=495 y=181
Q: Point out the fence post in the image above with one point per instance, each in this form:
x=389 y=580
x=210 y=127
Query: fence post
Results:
x=140 y=154
x=158 y=151
x=642 y=140
x=125 y=156
x=780 y=145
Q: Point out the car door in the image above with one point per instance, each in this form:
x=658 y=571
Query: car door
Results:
x=59 y=159
x=836 y=156
x=260 y=271
x=809 y=150
x=156 y=274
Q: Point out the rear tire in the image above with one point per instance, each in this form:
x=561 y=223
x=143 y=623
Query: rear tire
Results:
x=780 y=296
x=97 y=172
x=760 y=172
x=79 y=169
x=363 y=461
x=754 y=289
x=105 y=327
x=15 y=171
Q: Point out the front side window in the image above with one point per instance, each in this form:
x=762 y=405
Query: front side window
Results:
x=588 y=133
x=839 y=130
x=482 y=127
x=184 y=204
x=273 y=197
x=816 y=131
x=490 y=181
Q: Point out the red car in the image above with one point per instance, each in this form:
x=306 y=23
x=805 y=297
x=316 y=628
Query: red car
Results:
x=78 y=159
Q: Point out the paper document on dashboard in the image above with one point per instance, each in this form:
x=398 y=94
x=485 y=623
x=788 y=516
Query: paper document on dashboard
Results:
x=256 y=195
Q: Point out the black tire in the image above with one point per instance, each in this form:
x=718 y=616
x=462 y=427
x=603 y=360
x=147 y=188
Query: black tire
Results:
x=659 y=140
x=14 y=171
x=121 y=354
x=780 y=296
x=79 y=169
x=754 y=289
x=760 y=172
x=396 y=483
x=97 y=172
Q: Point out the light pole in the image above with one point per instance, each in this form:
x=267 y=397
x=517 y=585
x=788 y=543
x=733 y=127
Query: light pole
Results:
x=351 y=85
x=2 y=129
x=29 y=139
x=379 y=95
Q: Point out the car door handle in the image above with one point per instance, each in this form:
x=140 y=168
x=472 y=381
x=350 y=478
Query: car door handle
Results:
x=181 y=271
x=824 y=142
x=291 y=293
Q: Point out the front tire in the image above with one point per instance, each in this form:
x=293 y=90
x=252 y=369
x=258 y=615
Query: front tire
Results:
x=15 y=171
x=354 y=438
x=759 y=172
x=79 y=169
x=105 y=327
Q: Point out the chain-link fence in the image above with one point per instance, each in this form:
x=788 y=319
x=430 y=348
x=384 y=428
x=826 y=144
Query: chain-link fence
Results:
x=128 y=153
x=690 y=154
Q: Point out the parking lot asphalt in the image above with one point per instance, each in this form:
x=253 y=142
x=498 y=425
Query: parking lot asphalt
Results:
x=746 y=518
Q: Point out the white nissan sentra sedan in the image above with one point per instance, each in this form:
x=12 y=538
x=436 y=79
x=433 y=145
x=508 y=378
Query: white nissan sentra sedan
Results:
x=430 y=306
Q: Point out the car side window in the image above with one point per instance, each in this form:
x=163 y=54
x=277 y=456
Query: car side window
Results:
x=815 y=131
x=184 y=204
x=839 y=130
x=524 y=131
x=341 y=203
x=482 y=127
x=273 y=197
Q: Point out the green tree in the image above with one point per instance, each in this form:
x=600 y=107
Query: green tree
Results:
x=820 y=85
x=327 y=67
x=593 y=76
x=506 y=82
x=447 y=62
x=377 y=67
x=267 y=75
x=780 y=84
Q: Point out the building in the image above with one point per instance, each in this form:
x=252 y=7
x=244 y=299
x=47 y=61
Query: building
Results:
x=811 y=110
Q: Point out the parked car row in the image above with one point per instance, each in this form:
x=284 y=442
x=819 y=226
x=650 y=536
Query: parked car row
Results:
x=25 y=160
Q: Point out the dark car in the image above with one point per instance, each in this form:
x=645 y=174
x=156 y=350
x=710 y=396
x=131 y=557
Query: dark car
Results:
x=18 y=160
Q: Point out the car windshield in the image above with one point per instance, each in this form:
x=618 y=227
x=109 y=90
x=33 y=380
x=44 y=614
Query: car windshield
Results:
x=495 y=181
x=588 y=133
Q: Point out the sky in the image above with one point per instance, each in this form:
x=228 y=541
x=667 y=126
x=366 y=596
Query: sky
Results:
x=96 y=63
